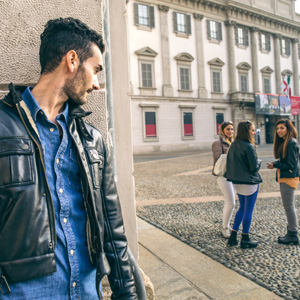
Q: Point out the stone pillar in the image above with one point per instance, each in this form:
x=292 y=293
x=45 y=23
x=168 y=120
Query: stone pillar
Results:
x=295 y=66
x=202 y=92
x=254 y=58
x=231 y=56
x=277 y=62
x=167 y=89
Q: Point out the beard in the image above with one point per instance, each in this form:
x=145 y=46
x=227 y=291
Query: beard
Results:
x=76 y=88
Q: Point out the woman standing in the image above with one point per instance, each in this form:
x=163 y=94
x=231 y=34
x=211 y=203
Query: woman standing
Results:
x=286 y=150
x=242 y=171
x=219 y=147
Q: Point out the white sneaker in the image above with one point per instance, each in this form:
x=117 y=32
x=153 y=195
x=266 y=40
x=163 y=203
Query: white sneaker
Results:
x=226 y=232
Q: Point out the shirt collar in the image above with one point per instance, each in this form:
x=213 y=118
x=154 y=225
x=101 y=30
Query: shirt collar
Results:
x=34 y=107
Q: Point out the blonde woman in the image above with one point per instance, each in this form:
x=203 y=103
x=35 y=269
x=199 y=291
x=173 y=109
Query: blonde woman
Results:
x=286 y=151
x=221 y=146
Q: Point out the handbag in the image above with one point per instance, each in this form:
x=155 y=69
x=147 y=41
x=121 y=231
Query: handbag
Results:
x=220 y=166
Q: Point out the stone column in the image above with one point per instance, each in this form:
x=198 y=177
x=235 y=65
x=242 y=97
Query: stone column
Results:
x=231 y=56
x=254 y=58
x=167 y=89
x=277 y=62
x=295 y=66
x=202 y=92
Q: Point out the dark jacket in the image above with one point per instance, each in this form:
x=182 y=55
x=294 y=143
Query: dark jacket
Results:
x=220 y=146
x=242 y=163
x=27 y=221
x=289 y=166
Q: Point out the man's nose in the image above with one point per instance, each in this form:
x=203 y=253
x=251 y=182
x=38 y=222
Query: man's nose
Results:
x=96 y=85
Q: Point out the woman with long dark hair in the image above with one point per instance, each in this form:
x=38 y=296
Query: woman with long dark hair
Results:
x=242 y=171
x=286 y=151
x=219 y=147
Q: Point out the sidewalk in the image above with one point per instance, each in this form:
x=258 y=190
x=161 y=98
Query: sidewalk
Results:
x=178 y=271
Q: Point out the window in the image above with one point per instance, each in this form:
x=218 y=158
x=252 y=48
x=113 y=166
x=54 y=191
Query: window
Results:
x=188 y=124
x=216 y=65
x=244 y=83
x=146 y=62
x=265 y=41
x=266 y=85
x=214 y=30
x=285 y=46
x=182 y=23
x=242 y=36
x=150 y=124
x=150 y=129
x=184 y=62
x=219 y=121
x=146 y=69
x=216 y=77
x=144 y=15
x=184 y=78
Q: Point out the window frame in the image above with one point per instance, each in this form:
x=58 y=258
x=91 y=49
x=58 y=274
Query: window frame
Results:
x=152 y=108
x=266 y=77
x=244 y=74
x=267 y=43
x=150 y=16
x=287 y=47
x=187 y=24
x=217 y=71
x=243 y=40
x=183 y=110
x=218 y=31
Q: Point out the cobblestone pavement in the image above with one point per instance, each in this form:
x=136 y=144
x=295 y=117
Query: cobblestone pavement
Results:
x=273 y=266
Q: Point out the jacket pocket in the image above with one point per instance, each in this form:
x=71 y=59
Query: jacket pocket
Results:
x=96 y=162
x=16 y=162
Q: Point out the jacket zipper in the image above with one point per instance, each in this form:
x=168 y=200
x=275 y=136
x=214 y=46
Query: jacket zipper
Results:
x=50 y=205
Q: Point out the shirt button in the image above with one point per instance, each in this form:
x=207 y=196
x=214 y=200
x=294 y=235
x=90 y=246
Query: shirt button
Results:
x=74 y=284
x=61 y=191
x=72 y=252
x=65 y=220
x=25 y=146
x=57 y=161
x=51 y=129
x=44 y=194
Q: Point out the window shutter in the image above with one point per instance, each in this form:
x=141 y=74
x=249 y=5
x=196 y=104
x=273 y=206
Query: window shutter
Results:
x=280 y=46
x=208 y=29
x=246 y=31
x=188 y=24
x=236 y=30
x=175 y=21
x=220 y=31
x=136 y=14
x=298 y=51
x=268 y=41
x=288 y=47
x=152 y=19
x=260 y=42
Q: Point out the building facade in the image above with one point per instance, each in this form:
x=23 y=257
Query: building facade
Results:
x=197 y=63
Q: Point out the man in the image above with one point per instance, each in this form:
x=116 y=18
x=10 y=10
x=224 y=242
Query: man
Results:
x=61 y=228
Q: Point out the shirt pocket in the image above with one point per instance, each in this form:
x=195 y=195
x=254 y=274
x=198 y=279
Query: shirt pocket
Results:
x=96 y=162
x=16 y=162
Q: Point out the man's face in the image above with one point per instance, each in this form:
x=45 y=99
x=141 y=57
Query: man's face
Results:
x=85 y=80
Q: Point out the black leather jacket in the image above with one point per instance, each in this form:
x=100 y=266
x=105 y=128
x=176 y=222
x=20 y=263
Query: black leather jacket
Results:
x=27 y=221
x=289 y=166
x=242 y=163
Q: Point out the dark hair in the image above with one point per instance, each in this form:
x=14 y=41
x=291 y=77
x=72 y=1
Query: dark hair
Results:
x=243 y=132
x=65 y=34
x=280 y=144
x=222 y=127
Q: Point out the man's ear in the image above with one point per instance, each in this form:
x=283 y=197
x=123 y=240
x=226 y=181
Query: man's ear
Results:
x=72 y=60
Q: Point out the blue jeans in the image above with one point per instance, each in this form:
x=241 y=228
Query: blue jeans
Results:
x=245 y=211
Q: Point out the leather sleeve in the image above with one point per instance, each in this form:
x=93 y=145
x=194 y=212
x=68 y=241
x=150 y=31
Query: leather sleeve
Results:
x=115 y=243
x=252 y=159
x=292 y=158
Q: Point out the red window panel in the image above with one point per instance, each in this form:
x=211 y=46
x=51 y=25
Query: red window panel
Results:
x=150 y=123
x=188 y=123
x=151 y=130
x=188 y=129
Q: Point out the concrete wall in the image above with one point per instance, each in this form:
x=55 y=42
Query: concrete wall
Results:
x=21 y=23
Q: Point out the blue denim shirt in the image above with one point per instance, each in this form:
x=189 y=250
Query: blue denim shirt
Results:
x=75 y=276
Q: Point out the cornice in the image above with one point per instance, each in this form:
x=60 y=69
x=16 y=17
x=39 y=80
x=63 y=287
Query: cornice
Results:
x=163 y=8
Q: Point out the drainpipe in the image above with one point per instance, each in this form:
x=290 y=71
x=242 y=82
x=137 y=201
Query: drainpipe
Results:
x=109 y=91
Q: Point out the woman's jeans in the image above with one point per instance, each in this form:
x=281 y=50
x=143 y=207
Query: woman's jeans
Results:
x=245 y=211
x=288 y=201
x=227 y=190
